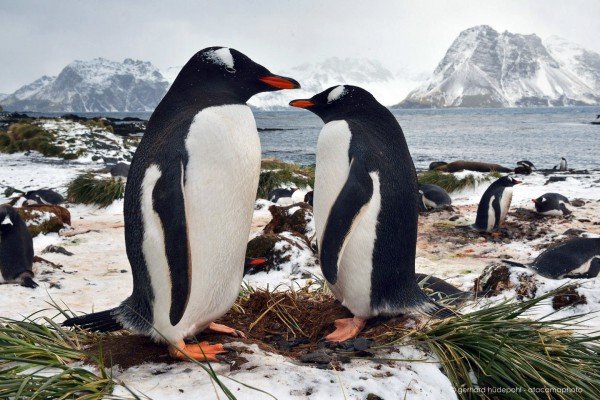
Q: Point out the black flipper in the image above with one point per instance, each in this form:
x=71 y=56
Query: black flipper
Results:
x=169 y=204
x=497 y=211
x=103 y=321
x=355 y=194
x=515 y=264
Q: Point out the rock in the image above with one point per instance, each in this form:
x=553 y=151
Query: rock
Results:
x=361 y=344
x=568 y=297
x=453 y=218
x=372 y=396
x=44 y=218
x=573 y=232
x=316 y=357
x=577 y=203
x=297 y=222
x=555 y=179
x=121 y=169
x=56 y=249
x=496 y=278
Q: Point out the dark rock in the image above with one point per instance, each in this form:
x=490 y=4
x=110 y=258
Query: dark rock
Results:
x=555 y=179
x=56 y=249
x=121 y=169
x=372 y=396
x=584 y=220
x=361 y=344
x=568 y=297
x=453 y=218
x=573 y=232
x=577 y=203
x=316 y=357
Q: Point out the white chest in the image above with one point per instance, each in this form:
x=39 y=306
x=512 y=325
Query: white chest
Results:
x=332 y=170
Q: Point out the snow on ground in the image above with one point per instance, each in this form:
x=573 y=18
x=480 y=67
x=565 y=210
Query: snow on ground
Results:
x=98 y=277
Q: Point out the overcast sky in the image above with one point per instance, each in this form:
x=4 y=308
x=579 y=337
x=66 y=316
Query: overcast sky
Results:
x=41 y=37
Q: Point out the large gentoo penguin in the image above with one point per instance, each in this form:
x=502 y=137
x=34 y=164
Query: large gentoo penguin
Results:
x=577 y=258
x=552 y=204
x=188 y=203
x=433 y=196
x=494 y=204
x=16 y=249
x=365 y=209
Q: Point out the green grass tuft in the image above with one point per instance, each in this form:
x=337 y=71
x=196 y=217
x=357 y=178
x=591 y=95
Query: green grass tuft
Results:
x=450 y=183
x=502 y=351
x=87 y=189
x=276 y=173
x=24 y=136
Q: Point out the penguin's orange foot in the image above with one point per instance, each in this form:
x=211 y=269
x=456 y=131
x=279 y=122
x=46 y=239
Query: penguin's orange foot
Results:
x=220 y=328
x=346 y=328
x=198 y=351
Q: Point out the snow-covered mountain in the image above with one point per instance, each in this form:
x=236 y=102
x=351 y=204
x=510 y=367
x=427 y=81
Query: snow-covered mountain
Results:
x=485 y=68
x=99 y=85
x=387 y=87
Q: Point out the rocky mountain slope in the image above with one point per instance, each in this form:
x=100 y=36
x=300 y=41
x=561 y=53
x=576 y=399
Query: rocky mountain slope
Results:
x=99 y=85
x=485 y=68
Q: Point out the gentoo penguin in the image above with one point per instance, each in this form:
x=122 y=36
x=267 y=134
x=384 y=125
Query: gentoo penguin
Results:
x=443 y=291
x=552 y=204
x=308 y=197
x=526 y=163
x=494 y=204
x=276 y=194
x=16 y=249
x=562 y=166
x=189 y=201
x=433 y=196
x=576 y=258
x=365 y=209
x=43 y=196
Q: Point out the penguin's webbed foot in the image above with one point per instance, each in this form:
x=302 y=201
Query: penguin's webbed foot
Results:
x=220 y=328
x=346 y=328
x=202 y=351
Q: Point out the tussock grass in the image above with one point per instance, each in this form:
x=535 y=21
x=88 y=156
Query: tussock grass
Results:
x=450 y=183
x=276 y=173
x=24 y=136
x=88 y=189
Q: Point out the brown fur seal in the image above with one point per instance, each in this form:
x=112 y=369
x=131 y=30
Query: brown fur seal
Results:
x=478 y=166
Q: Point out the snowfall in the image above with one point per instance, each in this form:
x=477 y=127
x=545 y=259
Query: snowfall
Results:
x=98 y=276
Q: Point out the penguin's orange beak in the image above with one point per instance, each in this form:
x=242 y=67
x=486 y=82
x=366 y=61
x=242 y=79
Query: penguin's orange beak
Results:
x=301 y=103
x=534 y=200
x=280 y=82
x=517 y=182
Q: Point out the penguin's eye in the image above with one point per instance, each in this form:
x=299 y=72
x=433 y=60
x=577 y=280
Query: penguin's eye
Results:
x=231 y=70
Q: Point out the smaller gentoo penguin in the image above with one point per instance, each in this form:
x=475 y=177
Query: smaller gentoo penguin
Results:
x=43 y=196
x=280 y=193
x=16 y=249
x=433 y=196
x=526 y=163
x=308 y=197
x=494 y=204
x=576 y=258
x=366 y=209
x=552 y=204
x=562 y=166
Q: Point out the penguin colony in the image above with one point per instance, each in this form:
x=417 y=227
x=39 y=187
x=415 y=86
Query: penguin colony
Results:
x=203 y=135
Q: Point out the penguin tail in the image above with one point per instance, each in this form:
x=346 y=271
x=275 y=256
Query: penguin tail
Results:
x=430 y=307
x=28 y=282
x=103 y=321
x=514 y=264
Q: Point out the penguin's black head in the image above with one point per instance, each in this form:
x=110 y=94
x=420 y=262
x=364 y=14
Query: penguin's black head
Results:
x=6 y=217
x=337 y=102
x=224 y=75
x=508 y=181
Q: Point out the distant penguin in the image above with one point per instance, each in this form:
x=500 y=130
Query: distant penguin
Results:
x=189 y=201
x=365 y=209
x=494 y=204
x=308 y=197
x=433 y=196
x=576 y=258
x=43 y=196
x=442 y=290
x=280 y=193
x=16 y=249
x=562 y=166
x=525 y=163
x=552 y=204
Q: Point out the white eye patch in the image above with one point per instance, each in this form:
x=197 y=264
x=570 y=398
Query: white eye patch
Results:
x=543 y=199
x=336 y=93
x=221 y=56
x=7 y=221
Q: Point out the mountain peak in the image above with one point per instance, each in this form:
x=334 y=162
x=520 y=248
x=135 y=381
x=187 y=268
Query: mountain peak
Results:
x=483 y=68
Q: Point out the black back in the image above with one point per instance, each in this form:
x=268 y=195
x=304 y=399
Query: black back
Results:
x=45 y=196
x=435 y=194
x=276 y=194
x=552 y=201
x=560 y=260
x=16 y=245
